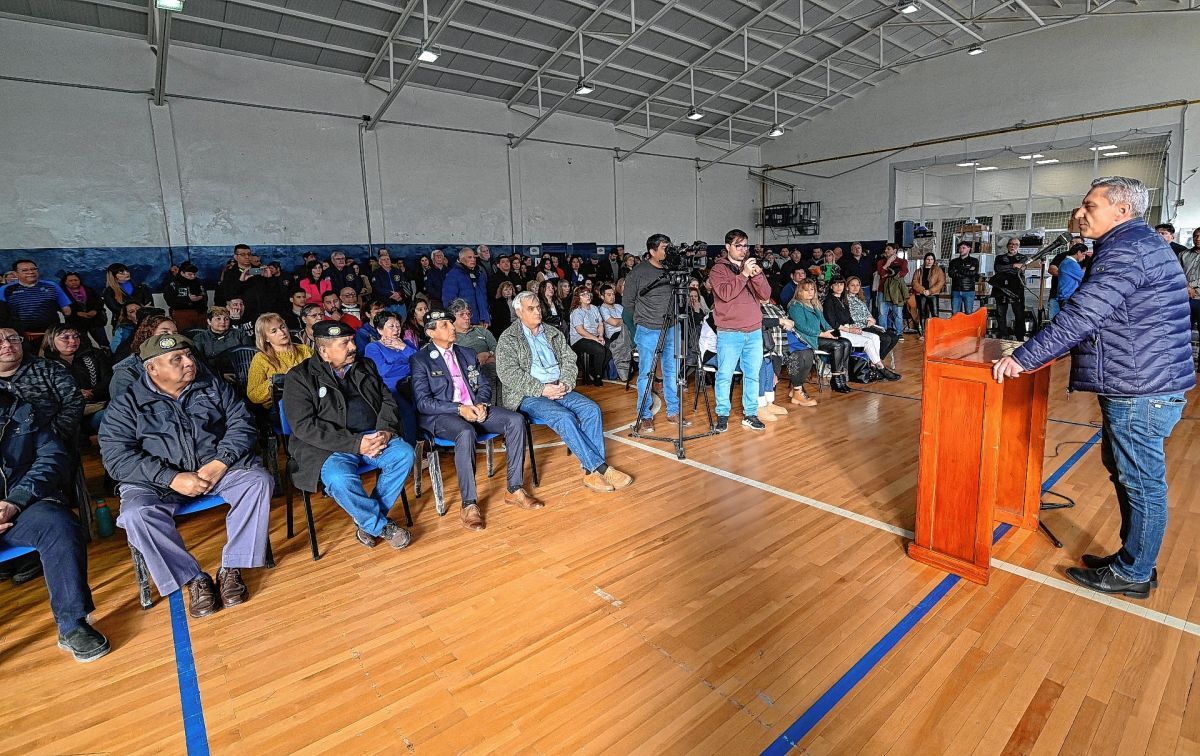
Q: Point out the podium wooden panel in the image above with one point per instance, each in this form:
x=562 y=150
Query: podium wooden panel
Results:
x=982 y=445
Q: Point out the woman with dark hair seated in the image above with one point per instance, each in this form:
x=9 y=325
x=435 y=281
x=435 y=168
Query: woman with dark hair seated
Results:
x=814 y=330
x=119 y=288
x=860 y=311
x=587 y=337
x=413 y=328
x=391 y=354
x=552 y=314
x=502 y=308
x=88 y=367
x=836 y=309
x=87 y=309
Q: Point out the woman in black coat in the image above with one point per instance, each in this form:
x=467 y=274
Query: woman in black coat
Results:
x=87 y=309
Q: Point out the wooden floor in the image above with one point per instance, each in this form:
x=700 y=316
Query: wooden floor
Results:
x=702 y=611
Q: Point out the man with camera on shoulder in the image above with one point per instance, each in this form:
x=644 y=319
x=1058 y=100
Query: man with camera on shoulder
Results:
x=647 y=302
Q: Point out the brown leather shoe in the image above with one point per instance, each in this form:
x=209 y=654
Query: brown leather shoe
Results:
x=616 y=478
x=229 y=583
x=598 y=482
x=471 y=518
x=202 y=596
x=673 y=419
x=647 y=426
x=520 y=498
x=801 y=397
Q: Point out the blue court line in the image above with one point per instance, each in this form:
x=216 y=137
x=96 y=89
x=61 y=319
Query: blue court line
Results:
x=792 y=736
x=194 y=732
x=917 y=399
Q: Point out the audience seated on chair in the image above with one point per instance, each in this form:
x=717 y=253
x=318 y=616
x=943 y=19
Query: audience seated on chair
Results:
x=836 y=309
x=342 y=416
x=129 y=370
x=537 y=373
x=453 y=400
x=277 y=354
x=816 y=332
x=175 y=435
x=477 y=338
x=212 y=343
x=391 y=355
x=33 y=514
x=88 y=367
x=45 y=384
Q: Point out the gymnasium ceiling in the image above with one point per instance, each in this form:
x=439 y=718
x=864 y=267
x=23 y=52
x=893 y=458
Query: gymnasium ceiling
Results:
x=745 y=62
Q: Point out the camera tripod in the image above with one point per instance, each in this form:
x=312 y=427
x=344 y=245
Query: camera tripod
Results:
x=677 y=316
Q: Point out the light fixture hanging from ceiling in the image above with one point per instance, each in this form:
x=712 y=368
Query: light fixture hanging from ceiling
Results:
x=975 y=50
x=776 y=127
x=693 y=113
x=426 y=53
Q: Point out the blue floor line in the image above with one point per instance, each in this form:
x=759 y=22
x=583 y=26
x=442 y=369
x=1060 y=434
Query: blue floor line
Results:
x=792 y=736
x=194 y=732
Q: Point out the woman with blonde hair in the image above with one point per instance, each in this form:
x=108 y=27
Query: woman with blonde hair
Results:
x=119 y=288
x=277 y=354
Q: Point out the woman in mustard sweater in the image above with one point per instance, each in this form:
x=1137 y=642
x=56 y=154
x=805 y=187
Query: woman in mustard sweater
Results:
x=277 y=354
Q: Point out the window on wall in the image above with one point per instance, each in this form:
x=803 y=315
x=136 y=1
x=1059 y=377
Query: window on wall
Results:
x=1018 y=188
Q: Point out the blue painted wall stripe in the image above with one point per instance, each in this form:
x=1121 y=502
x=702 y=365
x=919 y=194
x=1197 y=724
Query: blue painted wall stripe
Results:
x=194 y=731
x=834 y=695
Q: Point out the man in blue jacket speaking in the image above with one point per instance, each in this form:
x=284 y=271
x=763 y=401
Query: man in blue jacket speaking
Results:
x=1128 y=330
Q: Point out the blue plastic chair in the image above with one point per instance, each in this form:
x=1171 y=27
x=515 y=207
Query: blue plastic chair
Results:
x=12 y=552
x=285 y=431
x=435 y=469
x=200 y=504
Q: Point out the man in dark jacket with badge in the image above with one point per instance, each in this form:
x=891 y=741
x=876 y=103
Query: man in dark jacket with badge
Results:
x=454 y=402
x=1127 y=329
x=342 y=417
x=177 y=434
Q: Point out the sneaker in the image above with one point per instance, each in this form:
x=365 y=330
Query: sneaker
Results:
x=648 y=425
x=752 y=422
x=722 y=425
x=673 y=419
x=365 y=538
x=396 y=536
x=85 y=643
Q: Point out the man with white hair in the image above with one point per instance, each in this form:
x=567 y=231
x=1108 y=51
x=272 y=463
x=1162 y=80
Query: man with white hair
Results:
x=177 y=434
x=1127 y=329
x=537 y=374
x=467 y=281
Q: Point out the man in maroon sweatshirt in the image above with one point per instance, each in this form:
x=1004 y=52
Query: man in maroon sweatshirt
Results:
x=738 y=285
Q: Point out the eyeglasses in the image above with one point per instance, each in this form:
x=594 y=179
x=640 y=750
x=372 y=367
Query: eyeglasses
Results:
x=12 y=339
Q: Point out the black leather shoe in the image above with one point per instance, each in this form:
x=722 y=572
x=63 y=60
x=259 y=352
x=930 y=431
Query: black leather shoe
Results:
x=202 y=596
x=838 y=384
x=888 y=374
x=1091 y=561
x=85 y=643
x=1104 y=580
x=26 y=568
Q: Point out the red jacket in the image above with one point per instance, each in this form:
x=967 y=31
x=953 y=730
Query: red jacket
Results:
x=737 y=298
x=899 y=267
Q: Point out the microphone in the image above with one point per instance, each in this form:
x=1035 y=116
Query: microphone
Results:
x=1059 y=242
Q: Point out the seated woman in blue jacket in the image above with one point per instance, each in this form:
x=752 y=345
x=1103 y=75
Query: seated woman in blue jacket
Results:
x=815 y=331
x=391 y=355
x=453 y=401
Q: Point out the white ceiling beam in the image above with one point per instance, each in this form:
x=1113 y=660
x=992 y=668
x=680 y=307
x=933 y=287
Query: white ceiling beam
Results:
x=386 y=47
x=411 y=69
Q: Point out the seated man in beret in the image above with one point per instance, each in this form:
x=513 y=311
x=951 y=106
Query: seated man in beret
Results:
x=453 y=400
x=343 y=416
x=537 y=373
x=177 y=434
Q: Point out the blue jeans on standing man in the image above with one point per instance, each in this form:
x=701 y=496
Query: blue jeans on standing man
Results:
x=1135 y=429
x=345 y=486
x=891 y=317
x=962 y=301
x=576 y=419
x=646 y=339
x=734 y=348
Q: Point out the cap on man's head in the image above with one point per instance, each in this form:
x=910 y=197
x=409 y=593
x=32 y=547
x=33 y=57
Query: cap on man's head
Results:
x=331 y=329
x=433 y=316
x=188 y=267
x=156 y=346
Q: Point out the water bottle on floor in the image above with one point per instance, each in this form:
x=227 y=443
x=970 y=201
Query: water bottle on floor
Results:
x=104 y=519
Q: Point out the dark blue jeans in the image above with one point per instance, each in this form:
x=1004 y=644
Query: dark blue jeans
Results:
x=1135 y=429
x=54 y=531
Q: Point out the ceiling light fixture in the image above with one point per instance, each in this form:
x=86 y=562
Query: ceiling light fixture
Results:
x=173 y=6
x=1115 y=154
x=966 y=165
x=1034 y=156
x=1103 y=147
x=427 y=55
x=988 y=168
x=906 y=7
x=1051 y=161
x=694 y=115
x=584 y=88
x=777 y=127
x=975 y=50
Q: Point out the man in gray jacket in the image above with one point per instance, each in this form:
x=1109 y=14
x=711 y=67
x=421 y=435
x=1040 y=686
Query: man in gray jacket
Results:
x=175 y=435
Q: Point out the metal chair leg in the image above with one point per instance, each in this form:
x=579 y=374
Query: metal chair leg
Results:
x=418 y=457
x=532 y=453
x=142 y=574
x=270 y=555
x=312 y=526
x=408 y=520
x=435 y=481
x=490 y=449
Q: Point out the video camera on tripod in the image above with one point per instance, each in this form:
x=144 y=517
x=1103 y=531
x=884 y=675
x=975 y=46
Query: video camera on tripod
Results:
x=680 y=257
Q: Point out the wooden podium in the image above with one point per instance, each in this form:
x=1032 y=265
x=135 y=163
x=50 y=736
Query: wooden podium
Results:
x=982 y=446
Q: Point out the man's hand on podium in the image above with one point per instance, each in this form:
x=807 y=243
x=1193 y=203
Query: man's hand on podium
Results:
x=1006 y=367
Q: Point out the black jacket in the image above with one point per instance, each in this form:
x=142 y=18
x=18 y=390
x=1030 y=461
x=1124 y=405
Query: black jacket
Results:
x=316 y=411
x=141 y=294
x=52 y=392
x=147 y=437
x=33 y=464
x=837 y=312
x=93 y=302
x=90 y=370
x=962 y=272
x=179 y=290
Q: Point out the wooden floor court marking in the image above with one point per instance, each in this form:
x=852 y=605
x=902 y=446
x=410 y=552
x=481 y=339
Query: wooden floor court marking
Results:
x=1049 y=581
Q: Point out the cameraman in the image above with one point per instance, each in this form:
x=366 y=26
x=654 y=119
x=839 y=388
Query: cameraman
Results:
x=647 y=302
x=738 y=286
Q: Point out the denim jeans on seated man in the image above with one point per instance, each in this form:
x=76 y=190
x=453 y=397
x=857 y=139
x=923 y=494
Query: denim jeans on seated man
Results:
x=1135 y=429
x=734 y=348
x=55 y=532
x=646 y=339
x=576 y=419
x=343 y=483
x=962 y=301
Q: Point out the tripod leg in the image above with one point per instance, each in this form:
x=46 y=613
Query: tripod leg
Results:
x=1050 y=534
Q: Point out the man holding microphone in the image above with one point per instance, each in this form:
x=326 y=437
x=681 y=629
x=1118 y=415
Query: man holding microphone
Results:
x=1127 y=329
x=738 y=285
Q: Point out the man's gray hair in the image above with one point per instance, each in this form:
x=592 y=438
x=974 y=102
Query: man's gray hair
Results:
x=1128 y=190
x=458 y=305
x=524 y=295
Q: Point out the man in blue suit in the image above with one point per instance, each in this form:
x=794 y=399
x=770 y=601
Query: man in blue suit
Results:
x=453 y=400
